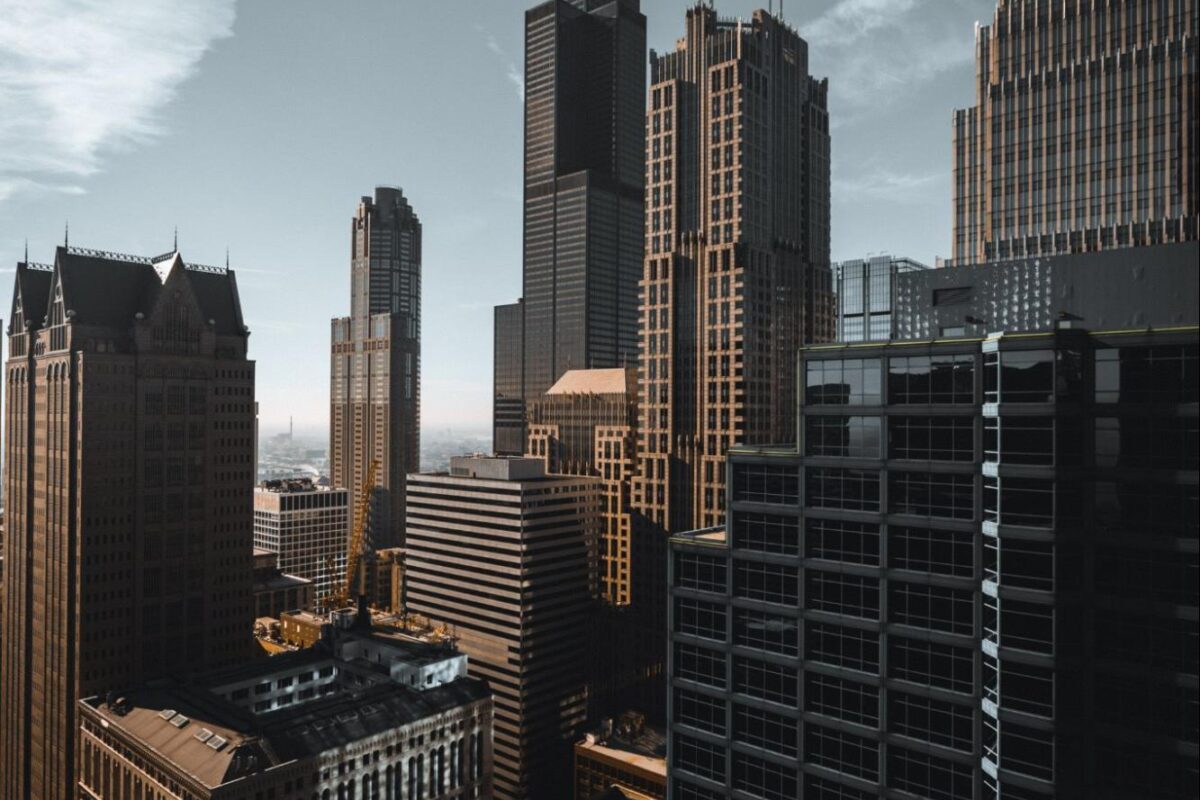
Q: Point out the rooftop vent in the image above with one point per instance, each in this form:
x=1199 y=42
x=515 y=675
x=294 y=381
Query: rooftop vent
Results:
x=167 y=713
x=179 y=720
x=204 y=734
x=217 y=742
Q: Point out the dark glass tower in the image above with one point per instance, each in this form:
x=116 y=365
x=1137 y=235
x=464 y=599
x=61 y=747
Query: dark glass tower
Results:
x=585 y=90
x=375 y=383
x=976 y=576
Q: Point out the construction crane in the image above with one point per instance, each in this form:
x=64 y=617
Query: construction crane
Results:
x=340 y=598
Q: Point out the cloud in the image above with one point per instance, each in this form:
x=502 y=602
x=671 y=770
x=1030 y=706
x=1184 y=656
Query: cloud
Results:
x=82 y=78
x=880 y=52
x=511 y=71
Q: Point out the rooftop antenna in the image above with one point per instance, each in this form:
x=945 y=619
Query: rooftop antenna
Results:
x=26 y=249
x=175 y=242
x=67 y=234
x=227 y=258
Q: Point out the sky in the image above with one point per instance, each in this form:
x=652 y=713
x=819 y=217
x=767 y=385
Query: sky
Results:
x=253 y=128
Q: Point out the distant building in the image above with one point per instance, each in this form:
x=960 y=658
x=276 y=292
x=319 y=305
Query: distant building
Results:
x=366 y=715
x=1083 y=132
x=375 y=375
x=584 y=171
x=128 y=465
x=385 y=579
x=629 y=758
x=864 y=296
x=308 y=527
x=504 y=555
x=276 y=591
x=976 y=574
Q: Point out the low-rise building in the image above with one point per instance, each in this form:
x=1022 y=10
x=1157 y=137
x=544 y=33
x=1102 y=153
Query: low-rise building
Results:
x=276 y=591
x=628 y=760
x=364 y=714
x=308 y=526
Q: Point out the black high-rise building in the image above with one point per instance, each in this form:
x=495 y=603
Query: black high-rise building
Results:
x=375 y=372
x=976 y=576
x=585 y=142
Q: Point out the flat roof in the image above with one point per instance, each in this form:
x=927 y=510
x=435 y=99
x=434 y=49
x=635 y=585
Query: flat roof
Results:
x=715 y=536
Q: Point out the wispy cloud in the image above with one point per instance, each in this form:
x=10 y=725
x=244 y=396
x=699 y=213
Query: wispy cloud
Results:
x=880 y=52
x=81 y=78
x=511 y=71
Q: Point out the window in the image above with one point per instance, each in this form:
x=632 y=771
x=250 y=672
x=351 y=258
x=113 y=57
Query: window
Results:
x=942 y=379
x=851 y=489
x=929 y=776
x=700 y=711
x=932 y=438
x=1157 y=374
x=932 y=495
x=764 y=779
x=851 y=437
x=699 y=618
x=840 y=540
x=766 y=483
x=1027 y=751
x=1151 y=442
x=770 y=583
x=766 y=533
x=761 y=630
x=852 y=382
x=927 y=663
x=764 y=680
x=952 y=296
x=1027 y=501
x=1024 y=440
x=1027 y=626
x=934 y=721
x=936 y=608
x=1030 y=564
x=700 y=758
x=1027 y=376
x=933 y=551
x=700 y=665
x=821 y=789
x=840 y=646
x=841 y=699
x=839 y=593
x=1030 y=689
x=698 y=571
x=843 y=752
x=765 y=729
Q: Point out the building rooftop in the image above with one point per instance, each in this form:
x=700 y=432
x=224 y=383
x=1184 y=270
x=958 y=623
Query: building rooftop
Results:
x=595 y=381
x=630 y=742
x=717 y=537
x=292 y=485
x=215 y=741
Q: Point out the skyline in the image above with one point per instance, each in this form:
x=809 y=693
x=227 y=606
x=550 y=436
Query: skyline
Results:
x=206 y=146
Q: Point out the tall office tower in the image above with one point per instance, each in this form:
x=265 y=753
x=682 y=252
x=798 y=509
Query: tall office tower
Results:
x=1083 y=136
x=976 y=575
x=864 y=291
x=585 y=146
x=305 y=525
x=504 y=555
x=737 y=254
x=508 y=396
x=128 y=468
x=375 y=375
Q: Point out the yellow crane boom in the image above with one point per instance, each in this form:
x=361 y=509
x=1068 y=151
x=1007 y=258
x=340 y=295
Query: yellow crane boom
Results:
x=349 y=590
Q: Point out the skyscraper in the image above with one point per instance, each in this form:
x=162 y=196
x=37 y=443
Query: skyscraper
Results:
x=128 y=471
x=305 y=526
x=976 y=575
x=585 y=90
x=737 y=254
x=504 y=555
x=1083 y=135
x=375 y=375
